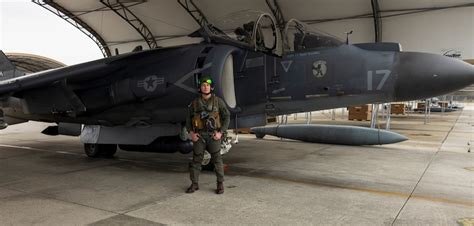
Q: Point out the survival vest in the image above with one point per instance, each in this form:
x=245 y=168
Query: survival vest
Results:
x=206 y=116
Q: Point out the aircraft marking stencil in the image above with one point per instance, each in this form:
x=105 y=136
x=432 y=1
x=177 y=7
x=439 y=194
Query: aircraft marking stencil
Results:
x=286 y=65
x=319 y=68
x=150 y=83
x=385 y=73
x=185 y=77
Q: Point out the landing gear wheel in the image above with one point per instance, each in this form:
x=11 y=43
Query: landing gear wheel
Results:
x=98 y=150
x=92 y=150
x=259 y=135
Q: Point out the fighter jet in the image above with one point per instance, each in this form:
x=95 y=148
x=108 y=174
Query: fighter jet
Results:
x=138 y=100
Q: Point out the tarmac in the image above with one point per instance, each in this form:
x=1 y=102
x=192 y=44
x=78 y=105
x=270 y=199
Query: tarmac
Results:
x=48 y=180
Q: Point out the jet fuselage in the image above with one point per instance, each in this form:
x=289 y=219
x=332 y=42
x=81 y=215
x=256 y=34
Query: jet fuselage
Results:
x=156 y=86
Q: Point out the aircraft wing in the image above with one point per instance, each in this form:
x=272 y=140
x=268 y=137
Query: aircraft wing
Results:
x=76 y=73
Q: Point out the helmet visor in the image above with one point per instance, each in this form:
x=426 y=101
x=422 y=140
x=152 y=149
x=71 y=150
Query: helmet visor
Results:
x=208 y=81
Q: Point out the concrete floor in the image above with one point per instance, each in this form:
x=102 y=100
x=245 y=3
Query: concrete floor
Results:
x=426 y=180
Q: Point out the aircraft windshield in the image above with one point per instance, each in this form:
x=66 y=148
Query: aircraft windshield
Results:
x=249 y=27
x=257 y=30
x=299 y=36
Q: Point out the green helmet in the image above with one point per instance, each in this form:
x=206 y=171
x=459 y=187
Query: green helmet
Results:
x=206 y=79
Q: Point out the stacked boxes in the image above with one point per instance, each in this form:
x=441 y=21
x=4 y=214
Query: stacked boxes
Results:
x=420 y=105
x=443 y=104
x=397 y=109
x=361 y=113
x=272 y=119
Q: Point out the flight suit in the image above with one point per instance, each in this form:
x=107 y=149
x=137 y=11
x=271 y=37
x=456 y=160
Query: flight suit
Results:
x=206 y=142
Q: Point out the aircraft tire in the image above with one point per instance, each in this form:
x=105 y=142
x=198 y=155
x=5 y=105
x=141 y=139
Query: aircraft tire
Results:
x=98 y=150
x=259 y=135
x=92 y=150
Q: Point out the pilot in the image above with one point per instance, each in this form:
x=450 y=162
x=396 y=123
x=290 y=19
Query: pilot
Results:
x=208 y=118
x=242 y=35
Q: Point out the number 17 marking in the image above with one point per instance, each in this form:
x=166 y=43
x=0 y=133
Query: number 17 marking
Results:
x=385 y=73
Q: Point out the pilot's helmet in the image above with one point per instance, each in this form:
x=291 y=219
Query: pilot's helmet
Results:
x=208 y=80
x=249 y=26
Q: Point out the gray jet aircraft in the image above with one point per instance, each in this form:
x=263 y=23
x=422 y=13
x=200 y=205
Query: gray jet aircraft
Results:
x=138 y=101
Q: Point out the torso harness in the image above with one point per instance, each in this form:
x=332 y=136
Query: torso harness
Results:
x=206 y=118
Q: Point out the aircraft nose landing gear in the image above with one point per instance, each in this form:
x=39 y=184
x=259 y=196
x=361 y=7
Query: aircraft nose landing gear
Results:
x=100 y=150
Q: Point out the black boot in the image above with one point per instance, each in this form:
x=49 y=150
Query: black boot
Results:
x=194 y=187
x=220 y=188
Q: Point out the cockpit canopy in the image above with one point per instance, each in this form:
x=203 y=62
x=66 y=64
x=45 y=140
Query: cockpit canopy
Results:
x=258 y=31
x=249 y=27
x=298 y=36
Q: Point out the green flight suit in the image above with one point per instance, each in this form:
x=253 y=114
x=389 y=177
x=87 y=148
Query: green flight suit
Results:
x=206 y=142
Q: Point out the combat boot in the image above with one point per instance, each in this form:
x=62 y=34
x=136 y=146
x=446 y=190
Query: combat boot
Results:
x=220 y=188
x=194 y=187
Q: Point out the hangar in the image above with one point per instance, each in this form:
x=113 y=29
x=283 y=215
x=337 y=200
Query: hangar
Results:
x=426 y=180
x=123 y=25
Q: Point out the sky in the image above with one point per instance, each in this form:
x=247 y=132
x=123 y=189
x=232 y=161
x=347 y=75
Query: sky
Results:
x=26 y=27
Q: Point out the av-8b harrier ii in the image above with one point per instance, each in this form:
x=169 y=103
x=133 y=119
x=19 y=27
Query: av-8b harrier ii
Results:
x=138 y=101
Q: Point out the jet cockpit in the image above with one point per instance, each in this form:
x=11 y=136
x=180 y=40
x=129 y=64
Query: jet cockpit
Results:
x=298 y=36
x=258 y=31
x=248 y=29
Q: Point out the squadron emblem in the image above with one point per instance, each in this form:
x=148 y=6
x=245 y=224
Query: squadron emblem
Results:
x=319 y=68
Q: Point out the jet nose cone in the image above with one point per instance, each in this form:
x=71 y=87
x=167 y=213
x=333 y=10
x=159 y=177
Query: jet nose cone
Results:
x=423 y=75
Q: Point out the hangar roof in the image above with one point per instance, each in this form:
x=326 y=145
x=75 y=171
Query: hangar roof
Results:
x=121 y=25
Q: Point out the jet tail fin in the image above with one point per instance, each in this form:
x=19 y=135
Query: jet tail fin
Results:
x=7 y=69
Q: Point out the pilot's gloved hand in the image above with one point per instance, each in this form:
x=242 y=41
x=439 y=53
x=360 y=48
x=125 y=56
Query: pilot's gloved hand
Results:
x=194 y=136
x=217 y=135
